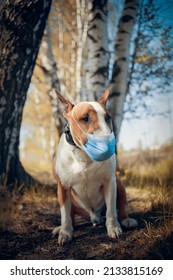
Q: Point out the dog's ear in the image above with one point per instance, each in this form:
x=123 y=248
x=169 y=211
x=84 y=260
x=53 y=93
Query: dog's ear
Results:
x=66 y=105
x=102 y=100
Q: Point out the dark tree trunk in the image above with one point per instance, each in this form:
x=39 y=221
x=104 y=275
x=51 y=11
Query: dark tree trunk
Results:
x=22 y=25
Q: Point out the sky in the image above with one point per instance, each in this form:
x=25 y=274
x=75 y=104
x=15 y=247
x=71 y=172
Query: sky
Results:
x=152 y=131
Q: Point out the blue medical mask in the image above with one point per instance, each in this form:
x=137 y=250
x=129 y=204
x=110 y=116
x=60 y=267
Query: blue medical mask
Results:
x=99 y=147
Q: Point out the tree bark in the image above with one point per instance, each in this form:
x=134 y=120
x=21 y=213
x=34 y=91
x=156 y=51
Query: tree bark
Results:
x=121 y=62
x=98 y=53
x=52 y=73
x=22 y=25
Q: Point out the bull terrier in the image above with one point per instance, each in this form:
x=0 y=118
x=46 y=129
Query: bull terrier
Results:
x=84 y=168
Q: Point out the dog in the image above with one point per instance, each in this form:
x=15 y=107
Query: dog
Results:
x=84 y=168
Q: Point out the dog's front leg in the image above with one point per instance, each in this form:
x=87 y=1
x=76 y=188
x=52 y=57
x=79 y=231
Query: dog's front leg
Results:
x=65 y=231
x=112 y=224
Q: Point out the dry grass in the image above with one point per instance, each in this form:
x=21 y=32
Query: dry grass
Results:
x=162 y=200
x=153 y=173
x=27 y=220
x=9 y=207
x=148 y=169
x=37 y=194
x=12 y=203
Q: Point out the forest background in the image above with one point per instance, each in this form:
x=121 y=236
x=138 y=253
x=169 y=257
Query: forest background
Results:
x=147 y=115
x=85 y=47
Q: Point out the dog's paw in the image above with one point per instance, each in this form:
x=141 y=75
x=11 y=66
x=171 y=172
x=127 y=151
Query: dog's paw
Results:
x=64 y=235
x=129 y=223
x=56 y=231
x=64 y=238
x=114 y=231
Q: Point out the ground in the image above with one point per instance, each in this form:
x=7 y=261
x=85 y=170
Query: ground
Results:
x=29 y=234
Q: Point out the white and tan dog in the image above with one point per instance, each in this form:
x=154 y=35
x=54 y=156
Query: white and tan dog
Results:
x=85 y=186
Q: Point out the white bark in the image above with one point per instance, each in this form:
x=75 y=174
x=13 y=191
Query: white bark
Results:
x=121 y=64
x=82 y=26
x=98 y=53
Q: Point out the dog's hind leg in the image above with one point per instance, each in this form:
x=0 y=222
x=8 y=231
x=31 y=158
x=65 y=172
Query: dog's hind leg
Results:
x=77 y=210
x=121 y=206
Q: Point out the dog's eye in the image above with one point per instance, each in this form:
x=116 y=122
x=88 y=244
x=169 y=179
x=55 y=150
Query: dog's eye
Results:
x=85 y=119
x=107 y=118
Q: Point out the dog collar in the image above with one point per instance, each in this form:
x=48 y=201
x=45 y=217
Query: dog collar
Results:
x=68 y=136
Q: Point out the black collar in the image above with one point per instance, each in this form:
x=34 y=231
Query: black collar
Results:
x=68 y=136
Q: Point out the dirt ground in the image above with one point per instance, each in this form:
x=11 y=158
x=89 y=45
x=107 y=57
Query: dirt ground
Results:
x=29 y=236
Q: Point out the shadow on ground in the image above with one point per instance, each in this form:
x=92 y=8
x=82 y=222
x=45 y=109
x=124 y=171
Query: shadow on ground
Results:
x=31 y=238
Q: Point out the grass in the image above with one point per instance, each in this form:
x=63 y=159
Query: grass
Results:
x=153 y=173
x=9 y=209
x=31 y=216
x=157 y=174
x=147 y=168
x=12 y=202
x=37 y=194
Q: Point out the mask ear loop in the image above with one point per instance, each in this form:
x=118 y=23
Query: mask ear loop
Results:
x=78 y=126
x=77 y=123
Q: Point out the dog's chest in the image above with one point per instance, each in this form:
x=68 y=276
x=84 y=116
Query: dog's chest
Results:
x=74 y=167
x=87 y=183
x=84 y=174
x=77 y=171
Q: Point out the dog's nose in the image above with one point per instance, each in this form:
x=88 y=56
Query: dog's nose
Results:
x=102 y=131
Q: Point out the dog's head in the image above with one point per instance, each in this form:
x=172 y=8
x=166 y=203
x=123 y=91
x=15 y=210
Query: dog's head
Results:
x=87 y=117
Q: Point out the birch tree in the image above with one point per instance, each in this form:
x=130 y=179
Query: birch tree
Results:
x=97 y=45
x=22 y=25
x=98 y=53
x=121 y=63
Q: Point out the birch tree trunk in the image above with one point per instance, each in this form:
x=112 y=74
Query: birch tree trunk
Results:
x=82 y=27
x=98 y=54
x=22 y=25
x=121 y=63
x=52 y=76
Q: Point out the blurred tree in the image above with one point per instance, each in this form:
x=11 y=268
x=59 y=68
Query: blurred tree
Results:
x=93 y=54
x=89 y=45
x=120 y=74
x=152 y=64
x=22 y=25
x=84 y=44
x=97 y=46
